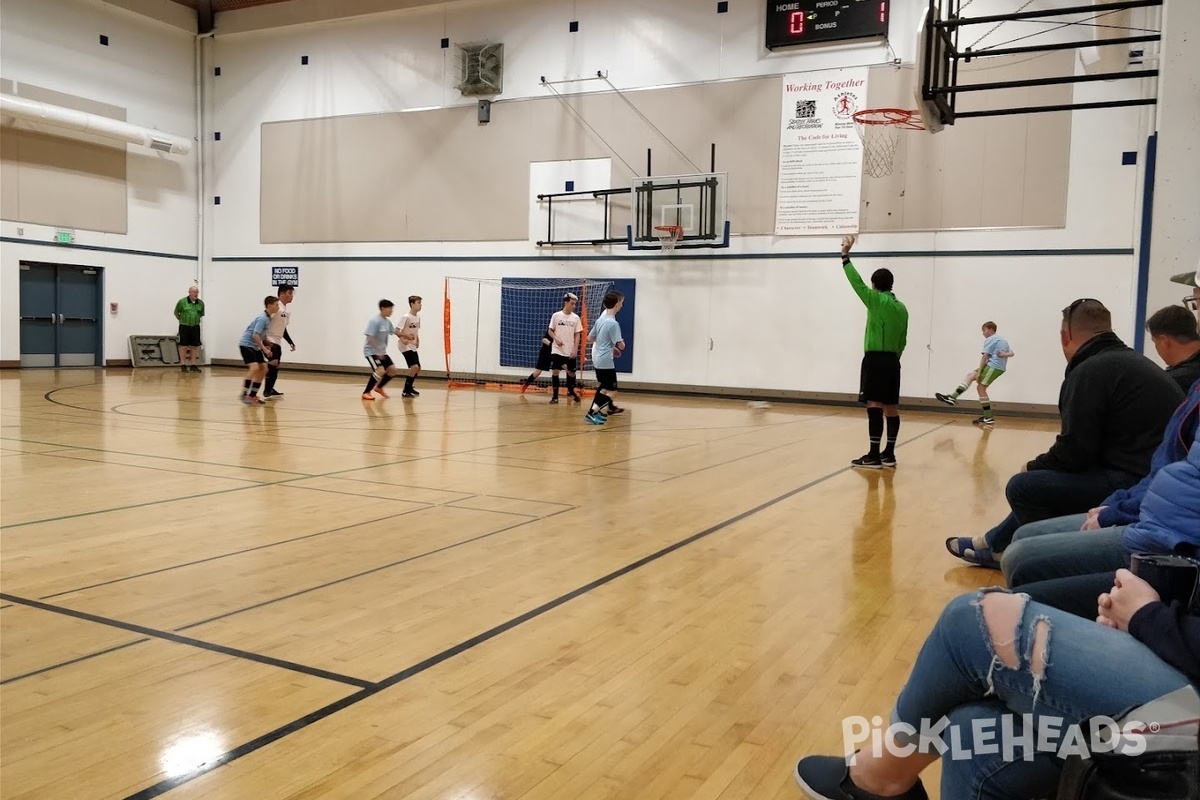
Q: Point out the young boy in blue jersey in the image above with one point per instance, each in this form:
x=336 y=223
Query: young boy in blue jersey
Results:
x=378 y=329
x=993 y=360
x=254 y=348
x=607 y=345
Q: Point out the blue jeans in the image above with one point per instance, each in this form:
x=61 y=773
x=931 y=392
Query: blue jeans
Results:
x=1057 y=564
x=1045 y=494
x=1090 y=671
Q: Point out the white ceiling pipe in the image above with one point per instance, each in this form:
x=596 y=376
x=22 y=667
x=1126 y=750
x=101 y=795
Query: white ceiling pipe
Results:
x=32 y=110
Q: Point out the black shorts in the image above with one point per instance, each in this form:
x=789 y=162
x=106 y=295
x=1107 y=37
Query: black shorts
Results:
x=607 y=379
x=276 y=351
x=562 y=362
x=544 y=358
x=380 y=362
x=411 y=358
x=252 y=355
x=880 y=379
x=189 y=336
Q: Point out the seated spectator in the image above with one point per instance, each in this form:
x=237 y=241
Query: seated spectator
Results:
x=1177 y=340
x=1064 y=570
x=974 y=672
x=1114 y=404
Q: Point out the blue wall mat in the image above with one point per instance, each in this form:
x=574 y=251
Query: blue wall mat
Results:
x=629 y=287
x=526 y=305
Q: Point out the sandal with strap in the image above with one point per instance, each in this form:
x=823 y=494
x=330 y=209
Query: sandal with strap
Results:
x=963 y=547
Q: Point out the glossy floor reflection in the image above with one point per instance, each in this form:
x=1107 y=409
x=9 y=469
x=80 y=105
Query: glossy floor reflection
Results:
x=470 y=595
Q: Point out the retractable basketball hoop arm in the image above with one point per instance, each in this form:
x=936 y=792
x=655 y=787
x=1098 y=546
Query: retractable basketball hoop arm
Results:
x=941 y=57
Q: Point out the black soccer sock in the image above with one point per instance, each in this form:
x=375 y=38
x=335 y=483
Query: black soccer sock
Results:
x=370 y=384
x=571 y=383
x=875 y=429
x=554 y=383
x=272 y=375
x=408 y=382
x=893 y=429
x=254 y=389
x=387 y=376
x=246 y=386
x=529 y=381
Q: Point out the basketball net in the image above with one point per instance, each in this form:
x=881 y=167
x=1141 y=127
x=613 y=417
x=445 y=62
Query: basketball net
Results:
x=668 y=236
x=880 y=129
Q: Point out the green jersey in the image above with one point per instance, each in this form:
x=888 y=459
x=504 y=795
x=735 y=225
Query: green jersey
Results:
x=189 y=313
x=887 y=318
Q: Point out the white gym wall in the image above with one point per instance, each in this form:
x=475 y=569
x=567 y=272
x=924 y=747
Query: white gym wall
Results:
x=705 y=318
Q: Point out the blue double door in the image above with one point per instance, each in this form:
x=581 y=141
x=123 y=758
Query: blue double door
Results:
x=61 y=315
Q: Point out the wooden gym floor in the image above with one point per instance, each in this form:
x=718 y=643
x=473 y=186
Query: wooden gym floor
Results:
x=472 y=595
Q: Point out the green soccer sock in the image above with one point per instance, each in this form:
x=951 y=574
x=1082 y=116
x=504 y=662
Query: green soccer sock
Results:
x=958 y=392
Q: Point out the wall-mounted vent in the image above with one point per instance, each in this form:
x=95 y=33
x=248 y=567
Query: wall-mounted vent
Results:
x=481 y=68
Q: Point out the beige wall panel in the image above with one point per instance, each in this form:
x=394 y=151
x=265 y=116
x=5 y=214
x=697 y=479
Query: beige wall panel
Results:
x=71 y=184
x=10 y=206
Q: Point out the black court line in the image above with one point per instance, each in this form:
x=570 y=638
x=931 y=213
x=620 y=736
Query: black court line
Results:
x=58 y=454
x=372 y=570
x=226 y=555
x=187 y=640
x=69 y=662
x=275 y=600
x=164 y=786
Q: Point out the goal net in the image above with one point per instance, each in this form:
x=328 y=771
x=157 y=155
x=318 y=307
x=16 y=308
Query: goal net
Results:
x=494 y=326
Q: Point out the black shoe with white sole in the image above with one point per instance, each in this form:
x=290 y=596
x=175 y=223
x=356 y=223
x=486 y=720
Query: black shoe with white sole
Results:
x=828 y=778
x=944 y=398
x=867 y=462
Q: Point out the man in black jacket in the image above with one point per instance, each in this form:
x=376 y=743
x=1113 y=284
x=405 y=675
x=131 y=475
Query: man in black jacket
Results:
x=1114 y=404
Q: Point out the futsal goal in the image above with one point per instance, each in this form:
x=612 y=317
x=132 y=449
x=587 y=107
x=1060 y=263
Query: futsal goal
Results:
x=493 y=327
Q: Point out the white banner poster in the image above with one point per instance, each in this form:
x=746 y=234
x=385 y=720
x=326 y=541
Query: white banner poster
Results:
x=820 y=154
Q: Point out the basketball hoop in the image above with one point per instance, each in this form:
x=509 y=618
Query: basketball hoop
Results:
x=668 y=236
x=880 y=129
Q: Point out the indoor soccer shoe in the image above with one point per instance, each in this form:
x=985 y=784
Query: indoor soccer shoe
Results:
x=379 y=390
x=985 y=422
x=595 y=419
x=828 y=778
x=944 y=398
x=867 y=462
x=888 y=461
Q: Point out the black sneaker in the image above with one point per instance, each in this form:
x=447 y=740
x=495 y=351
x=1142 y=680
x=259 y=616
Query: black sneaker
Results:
x=193 y=368
x=985 y=422
x=828 y=778
x=409 y=393
x=574 y=397
x=888 y=460
x=554 y=400
x=615 y=410
x=183 y=368
x=273 y=395
x=867 y=462
x=944 y=398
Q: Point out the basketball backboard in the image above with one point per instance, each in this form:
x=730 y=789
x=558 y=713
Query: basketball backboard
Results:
x=695 y=203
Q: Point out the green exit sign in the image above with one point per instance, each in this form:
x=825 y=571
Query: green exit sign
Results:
x=64 y=237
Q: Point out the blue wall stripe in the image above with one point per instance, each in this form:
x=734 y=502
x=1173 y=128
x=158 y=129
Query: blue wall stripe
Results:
x=1143 y=272
x=1063 y=252
x=97 y=248
x=653 y=256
